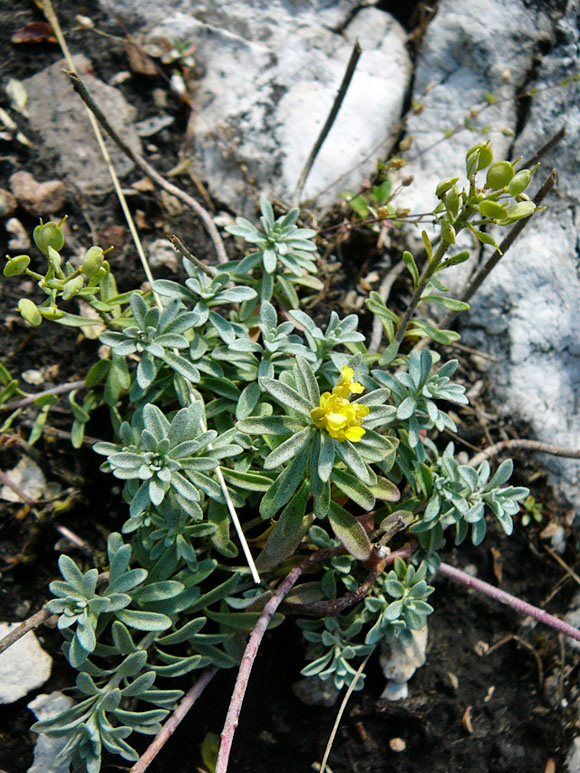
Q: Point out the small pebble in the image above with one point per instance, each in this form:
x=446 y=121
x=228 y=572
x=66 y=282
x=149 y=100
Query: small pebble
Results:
x=397 y=744
x=8 y=203
x=38 y=199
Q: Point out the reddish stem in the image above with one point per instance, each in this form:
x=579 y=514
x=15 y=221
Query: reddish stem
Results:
x=171 y=725
x=235 y=707
x=511 y=601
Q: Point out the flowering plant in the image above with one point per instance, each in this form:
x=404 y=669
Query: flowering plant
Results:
x=229 y=411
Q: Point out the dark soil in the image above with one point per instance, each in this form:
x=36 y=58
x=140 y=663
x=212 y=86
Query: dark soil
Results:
x=480 y=704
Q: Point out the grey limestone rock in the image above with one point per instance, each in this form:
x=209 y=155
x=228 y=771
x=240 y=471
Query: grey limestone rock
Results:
x=23 y=667
x=59 y=117
x=271 y=73
x=46 y=706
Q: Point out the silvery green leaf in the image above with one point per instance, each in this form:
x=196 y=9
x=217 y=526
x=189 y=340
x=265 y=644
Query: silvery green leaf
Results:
x=306 y=382
x=161 y=697
x=156 y=491
x=85 y=584
x=235 y=295
x=349 y=531
x=287 y=396
x=140 y=501
x=283 y=488
x=154 y=420
x=407 y=408
x=350 y=456
x=139 y=308
x=144 y=621
x=139 y=686
x=326 y=456
x=185 y=633
x=248 y=400
x=249 y=481
x=289 y=448
x=224 y=329
x=122 y=639
x=179 y=666
x=287 y=532
x=354 y=489
x=502 y=474
x=478 y=531
x=182 y=366
x=158 y=591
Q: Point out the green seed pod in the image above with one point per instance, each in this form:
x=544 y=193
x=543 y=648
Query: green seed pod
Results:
x=48 y=235
x=93 y=261
x=16 y=265
x=29 y=311
x=447 y=232
x=492 y=210
x=51 y=312
x=520 y=182
x=72 y=287
x=478 y=157
x=499 y=175
x=452 y=202
x=444 y=186
x=520 y=210
x=54 y=258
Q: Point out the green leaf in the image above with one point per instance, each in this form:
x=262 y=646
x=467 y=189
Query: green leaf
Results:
x=349 y=531
x=248 y=481
x=248 y=400
x=97 y=373
x=289 y=448
x=270 y=425
x=446 y=303
x=425 y=330
x=287 y=396
x=354 y=489
x=427 y=244
x=242 y=621
x=285 y=485
x=143 y=621
x=185 y=633
x=288 y=532
x=485 y=238
x=357 y=203
x=409 y=261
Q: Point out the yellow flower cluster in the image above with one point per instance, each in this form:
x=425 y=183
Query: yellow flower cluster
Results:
x=336 y=414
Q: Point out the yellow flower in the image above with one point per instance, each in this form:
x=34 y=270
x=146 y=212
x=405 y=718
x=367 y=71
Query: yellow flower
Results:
x=339 y=417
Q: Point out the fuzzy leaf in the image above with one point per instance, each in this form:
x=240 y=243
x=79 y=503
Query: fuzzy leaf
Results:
x=349 y=531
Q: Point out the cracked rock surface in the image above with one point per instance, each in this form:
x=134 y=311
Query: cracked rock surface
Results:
x=271 y=73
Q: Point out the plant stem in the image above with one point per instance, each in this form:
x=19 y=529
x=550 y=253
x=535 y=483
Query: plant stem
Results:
x=174 y=720
x=57 y=390
x=477 y=280
x=349 y=72
x=329 y=608
x=532 y=445
x=235 y=707
x=17 y=633
x=429 y=270
x=511 y=601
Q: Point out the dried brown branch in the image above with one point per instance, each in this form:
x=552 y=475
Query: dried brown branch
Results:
x=17 y=633
x=147 y=169
x=530 y=445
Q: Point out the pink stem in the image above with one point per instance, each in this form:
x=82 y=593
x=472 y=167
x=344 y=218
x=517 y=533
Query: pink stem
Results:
x=235 y=707
x=512 y=601
x=171 y=725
